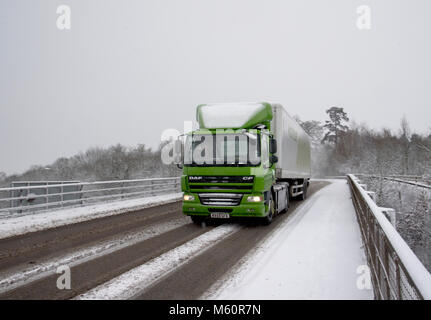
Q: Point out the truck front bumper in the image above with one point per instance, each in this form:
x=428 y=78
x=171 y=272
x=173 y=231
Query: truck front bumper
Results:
x=243 y=209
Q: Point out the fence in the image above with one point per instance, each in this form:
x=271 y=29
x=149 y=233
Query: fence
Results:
x=24 y=196
x=396 y=272
x=20 y=200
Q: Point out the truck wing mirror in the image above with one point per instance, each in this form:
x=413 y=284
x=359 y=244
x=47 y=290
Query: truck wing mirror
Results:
x=273 y=159
x=178 y=153
x=272 y=146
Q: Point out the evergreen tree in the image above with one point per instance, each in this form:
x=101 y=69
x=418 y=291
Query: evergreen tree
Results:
x=335 y=125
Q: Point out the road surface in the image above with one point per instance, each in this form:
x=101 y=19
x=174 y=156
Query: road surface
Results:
x=154 y=253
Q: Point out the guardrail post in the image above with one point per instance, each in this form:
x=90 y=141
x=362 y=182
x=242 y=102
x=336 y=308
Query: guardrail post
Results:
x=398 y=276
x=372 y=195
x=46 y=198
x=62 y=195
x=390 y=214
x=20 y=201
x=386 y=266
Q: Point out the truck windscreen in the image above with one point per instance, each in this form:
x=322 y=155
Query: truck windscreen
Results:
x=222 y=150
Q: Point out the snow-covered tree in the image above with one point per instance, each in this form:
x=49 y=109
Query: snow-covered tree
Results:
x=412 y=222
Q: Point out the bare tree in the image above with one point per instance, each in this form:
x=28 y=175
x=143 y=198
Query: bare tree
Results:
x=314 y=129
x=405 y=142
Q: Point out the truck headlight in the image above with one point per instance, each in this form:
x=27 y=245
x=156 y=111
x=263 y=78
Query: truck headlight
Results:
x=254 y=198
x=188 y=197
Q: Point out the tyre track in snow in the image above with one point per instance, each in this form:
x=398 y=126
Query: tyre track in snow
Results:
x=132 y=282
x=192 y=280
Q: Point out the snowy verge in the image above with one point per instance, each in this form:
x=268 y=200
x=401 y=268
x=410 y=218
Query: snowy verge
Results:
x=40 y=221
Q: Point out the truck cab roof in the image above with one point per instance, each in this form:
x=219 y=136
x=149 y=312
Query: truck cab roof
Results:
x=234 y=115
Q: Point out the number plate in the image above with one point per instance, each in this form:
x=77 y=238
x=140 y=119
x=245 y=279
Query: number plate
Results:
x=220 y=215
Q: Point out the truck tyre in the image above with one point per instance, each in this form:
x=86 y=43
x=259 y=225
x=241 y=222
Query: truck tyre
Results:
x=271 y=209
x=287 y=202
x=303 y=196
x=197 y=220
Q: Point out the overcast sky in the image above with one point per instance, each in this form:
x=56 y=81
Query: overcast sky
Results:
x=127 y=70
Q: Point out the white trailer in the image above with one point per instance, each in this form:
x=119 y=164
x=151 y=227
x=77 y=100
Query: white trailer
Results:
x=293 y=151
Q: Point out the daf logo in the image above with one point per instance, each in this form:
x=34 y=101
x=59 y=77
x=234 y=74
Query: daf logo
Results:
x=247 y=178
x=195 y=178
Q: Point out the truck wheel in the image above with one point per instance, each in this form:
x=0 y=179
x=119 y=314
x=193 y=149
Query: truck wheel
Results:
x=303 y=196
x=268 y=219
x=197 y=220
x=287 y=202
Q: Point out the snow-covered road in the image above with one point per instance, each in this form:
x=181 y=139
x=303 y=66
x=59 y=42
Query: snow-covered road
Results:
x=311 y=252
x=314 y=254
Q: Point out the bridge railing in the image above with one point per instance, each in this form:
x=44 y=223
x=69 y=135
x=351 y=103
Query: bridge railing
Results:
x=396 y=272
x=25 y=199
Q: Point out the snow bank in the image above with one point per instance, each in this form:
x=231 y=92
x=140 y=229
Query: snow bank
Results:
x=40 y=221
x=314 y=254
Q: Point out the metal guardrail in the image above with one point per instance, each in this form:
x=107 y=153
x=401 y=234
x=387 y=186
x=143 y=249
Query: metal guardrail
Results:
x=417 y=181
x=396 y=272
x=403 y=177
x=400 y=179
x=18 y=200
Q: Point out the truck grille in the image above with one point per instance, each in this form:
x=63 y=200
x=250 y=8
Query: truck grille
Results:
x=224 y=210
x=220 y=199
x=221 y=179
x=243 y=184
x=219 y=187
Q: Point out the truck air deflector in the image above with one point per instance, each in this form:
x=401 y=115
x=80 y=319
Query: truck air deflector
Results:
x=234 y=115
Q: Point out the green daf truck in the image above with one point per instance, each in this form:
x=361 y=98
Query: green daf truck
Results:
x=245 y=160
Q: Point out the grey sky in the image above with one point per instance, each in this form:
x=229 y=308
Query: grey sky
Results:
x=127 y=70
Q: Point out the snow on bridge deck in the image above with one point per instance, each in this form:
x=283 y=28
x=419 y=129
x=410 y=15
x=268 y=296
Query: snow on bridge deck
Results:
x=314 y=254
